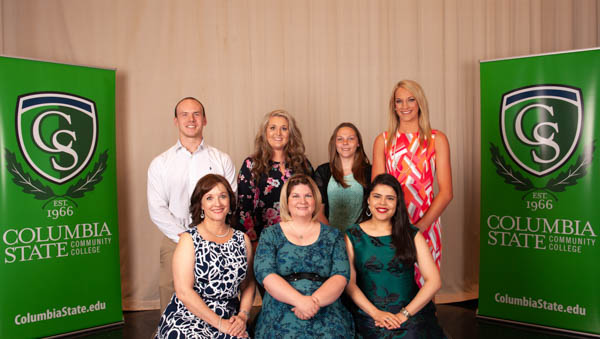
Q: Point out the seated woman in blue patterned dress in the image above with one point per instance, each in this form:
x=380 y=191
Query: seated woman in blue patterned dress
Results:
x=303 y=265
x=343 y=180
x=212 y=270
x=382 y=250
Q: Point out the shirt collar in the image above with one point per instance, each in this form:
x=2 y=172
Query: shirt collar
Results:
x=179 y=147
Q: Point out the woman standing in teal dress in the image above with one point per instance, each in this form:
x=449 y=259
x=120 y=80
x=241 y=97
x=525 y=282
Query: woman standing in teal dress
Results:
x=343 y=180
x=382 y=250
x=303 y=266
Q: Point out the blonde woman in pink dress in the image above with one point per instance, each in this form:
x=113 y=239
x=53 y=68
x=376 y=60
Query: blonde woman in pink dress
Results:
x=416 y=155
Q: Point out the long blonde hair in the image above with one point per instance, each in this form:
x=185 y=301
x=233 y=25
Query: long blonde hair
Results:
x=394 y=122
x=293 y=151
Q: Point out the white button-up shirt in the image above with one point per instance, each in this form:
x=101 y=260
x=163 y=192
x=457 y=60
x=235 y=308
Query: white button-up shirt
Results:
x=172 y=177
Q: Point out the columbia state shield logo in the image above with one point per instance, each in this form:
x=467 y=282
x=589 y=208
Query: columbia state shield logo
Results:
x=541 y=126
x=57 y=133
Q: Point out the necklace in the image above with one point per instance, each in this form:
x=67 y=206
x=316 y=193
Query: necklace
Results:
x=218 y=235
x=298 y=234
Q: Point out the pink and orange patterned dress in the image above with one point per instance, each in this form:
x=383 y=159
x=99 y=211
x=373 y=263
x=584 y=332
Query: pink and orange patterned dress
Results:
x=414 y=167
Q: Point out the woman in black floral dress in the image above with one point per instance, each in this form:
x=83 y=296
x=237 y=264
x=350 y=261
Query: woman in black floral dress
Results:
x=278 y=154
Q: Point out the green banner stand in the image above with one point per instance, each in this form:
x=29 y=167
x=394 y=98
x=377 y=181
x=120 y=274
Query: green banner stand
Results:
x=540 y=177
x=59 y=239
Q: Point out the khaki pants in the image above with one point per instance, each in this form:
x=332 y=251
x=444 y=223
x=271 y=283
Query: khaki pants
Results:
x=165 y=284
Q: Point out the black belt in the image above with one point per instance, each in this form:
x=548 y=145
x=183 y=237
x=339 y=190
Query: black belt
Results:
x=303 y=275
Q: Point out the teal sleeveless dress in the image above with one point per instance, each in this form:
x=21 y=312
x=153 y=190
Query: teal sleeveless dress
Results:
x=389 y=285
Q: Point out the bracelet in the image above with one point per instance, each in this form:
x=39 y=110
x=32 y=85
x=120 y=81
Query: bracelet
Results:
x=405 y=313
x=246 y=313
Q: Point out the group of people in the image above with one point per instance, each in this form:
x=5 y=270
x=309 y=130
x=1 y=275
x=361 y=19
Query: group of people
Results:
x=351 y=249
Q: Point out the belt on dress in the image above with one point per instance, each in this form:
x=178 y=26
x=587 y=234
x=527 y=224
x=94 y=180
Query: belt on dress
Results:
x=304 y=275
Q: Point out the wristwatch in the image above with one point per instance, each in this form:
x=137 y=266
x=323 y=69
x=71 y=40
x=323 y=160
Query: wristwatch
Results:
x=405 y=313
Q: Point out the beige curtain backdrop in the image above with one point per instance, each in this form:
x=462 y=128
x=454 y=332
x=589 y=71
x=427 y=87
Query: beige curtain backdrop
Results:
x=325 y=61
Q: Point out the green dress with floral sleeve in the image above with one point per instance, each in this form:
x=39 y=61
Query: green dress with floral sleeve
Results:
x=389 y=285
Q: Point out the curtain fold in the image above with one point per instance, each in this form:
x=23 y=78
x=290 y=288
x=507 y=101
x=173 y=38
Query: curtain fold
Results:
x=325 y=61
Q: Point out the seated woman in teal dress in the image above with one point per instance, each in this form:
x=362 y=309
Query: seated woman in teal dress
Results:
x=303 y=266
x=382 y=250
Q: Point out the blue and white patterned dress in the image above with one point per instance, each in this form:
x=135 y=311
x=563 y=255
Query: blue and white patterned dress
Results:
x=218 y=274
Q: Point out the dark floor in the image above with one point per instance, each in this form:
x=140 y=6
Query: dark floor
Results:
x=458 y=320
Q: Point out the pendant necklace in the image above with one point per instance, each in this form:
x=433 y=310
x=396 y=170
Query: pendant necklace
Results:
x=300 y=235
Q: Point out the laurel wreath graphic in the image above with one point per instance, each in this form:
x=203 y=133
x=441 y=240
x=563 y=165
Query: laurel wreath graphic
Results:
x=44 y=192
x=557 y=184
x=504 y=170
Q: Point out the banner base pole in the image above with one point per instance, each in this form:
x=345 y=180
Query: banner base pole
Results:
x=524 y=324
x=87 y=330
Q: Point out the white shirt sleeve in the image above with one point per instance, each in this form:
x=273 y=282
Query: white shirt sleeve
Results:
x=230 y=173
x=158 y=203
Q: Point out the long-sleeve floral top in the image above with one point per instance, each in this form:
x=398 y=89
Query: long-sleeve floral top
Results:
x=258 y=205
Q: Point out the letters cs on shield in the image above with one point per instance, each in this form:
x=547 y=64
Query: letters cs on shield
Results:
x=57 y=133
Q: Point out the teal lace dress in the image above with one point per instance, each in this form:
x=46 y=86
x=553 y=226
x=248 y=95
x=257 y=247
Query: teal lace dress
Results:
x=389 y=285
x=327 y=257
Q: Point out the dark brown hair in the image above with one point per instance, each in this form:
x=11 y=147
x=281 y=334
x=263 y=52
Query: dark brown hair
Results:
x=360 y=159
x=204 y=185
x=402 y=237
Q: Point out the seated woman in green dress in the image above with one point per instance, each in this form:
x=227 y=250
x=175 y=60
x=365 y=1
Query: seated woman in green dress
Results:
x=303 y=266
x=382 y=250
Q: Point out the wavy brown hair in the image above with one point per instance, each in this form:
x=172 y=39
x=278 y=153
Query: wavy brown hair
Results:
x=394 y=122
x=360 y=158
x=204 y=185
x=294 y=150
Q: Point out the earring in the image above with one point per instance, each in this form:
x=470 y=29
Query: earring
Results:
x=202 y=214
x=229 y=212
x=368 y=212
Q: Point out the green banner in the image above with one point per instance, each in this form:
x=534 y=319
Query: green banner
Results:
x=59 y=250
x=539 y=180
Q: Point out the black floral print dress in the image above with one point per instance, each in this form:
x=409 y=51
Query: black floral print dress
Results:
x=258 y=204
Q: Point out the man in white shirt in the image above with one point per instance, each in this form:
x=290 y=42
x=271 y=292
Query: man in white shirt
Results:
x=172 y=177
